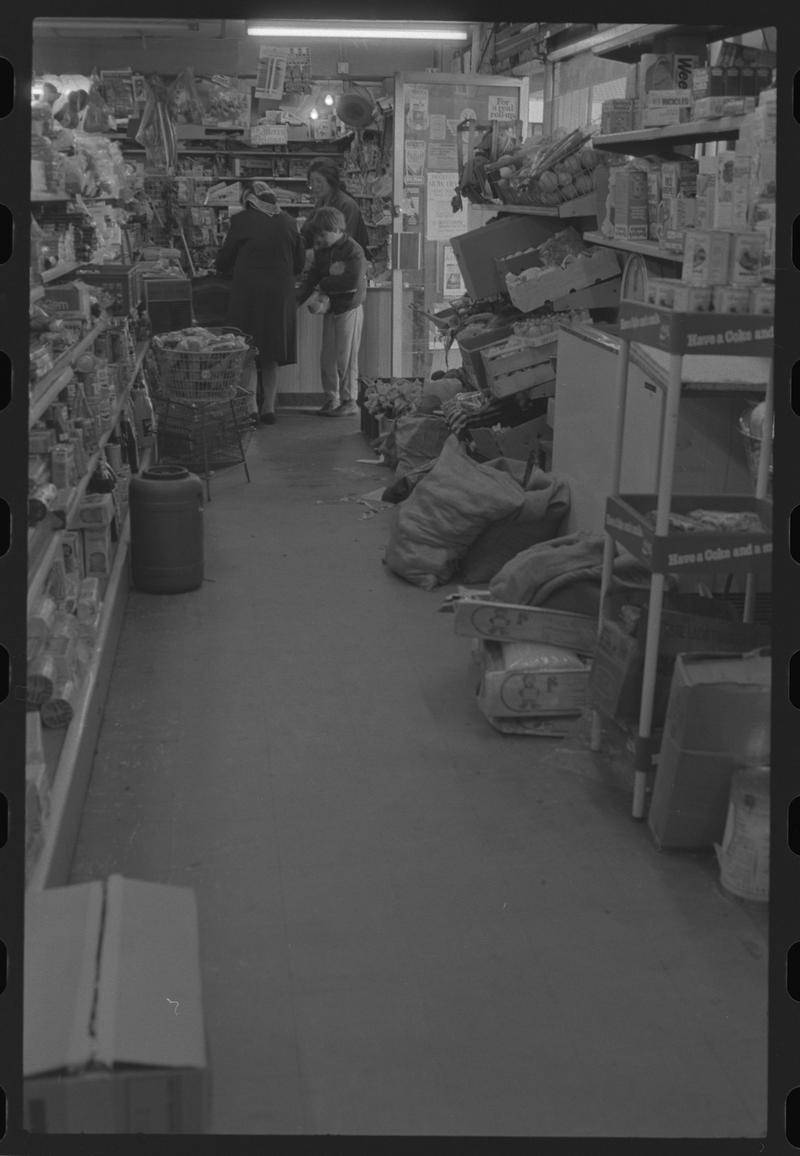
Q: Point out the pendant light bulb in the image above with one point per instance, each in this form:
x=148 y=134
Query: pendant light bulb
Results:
x=329 y=99
x=314 y=114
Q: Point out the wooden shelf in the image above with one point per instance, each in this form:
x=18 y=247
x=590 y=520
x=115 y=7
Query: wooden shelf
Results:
x=628 y=46
x=45 y=198
x=48 y=388
x=645 y=248
x=646 y=140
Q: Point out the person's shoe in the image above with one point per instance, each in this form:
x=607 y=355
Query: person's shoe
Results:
x=347 y=409
x=268 y=419
x=253 y=420
x=329 y=409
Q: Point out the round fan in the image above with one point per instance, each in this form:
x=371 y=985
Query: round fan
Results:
x=355 y=109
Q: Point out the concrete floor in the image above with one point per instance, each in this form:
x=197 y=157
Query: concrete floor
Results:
x=409 y=922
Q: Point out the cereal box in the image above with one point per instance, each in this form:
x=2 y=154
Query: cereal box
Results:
x=732 y=299
x=706 y=257
x=747 y=253
x=692 y=298
x=762 y=299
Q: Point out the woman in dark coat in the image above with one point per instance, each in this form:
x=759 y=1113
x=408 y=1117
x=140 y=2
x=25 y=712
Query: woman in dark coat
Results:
x=264 y=252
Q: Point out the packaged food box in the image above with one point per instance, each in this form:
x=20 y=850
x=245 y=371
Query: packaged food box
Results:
x=529 y=679
x=732 y=82
x=653 y=203
x=747 y=253
x=692 y=298
x=109 y=1053
x=706 y=257
x=743 y=169
x=708 y=81
x=661 y=115
x=678 y=213
x=762 y=299
x=617 y=116
x=763 y=212
x=630 y=204
x=477 y=616
x=718 y=719
x=73 y=298
x=97 y=551
x=723 y=190
x=678 y=177
x=94 y=510
x=705 y=194
x=731 y=299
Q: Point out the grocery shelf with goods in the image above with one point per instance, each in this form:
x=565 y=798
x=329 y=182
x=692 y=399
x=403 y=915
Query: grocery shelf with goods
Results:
x=70 y=752
x=627 y=42
x=48 y=387
x=733 y=545
x=645 y=141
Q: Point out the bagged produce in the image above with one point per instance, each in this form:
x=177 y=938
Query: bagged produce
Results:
x=419 y=441
x=447 y=510
x=546 y=503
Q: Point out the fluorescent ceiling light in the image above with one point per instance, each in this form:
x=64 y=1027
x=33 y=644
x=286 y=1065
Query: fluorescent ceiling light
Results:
x=354 y=32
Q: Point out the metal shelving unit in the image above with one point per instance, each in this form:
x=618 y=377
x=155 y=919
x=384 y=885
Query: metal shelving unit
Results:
x=677 y=334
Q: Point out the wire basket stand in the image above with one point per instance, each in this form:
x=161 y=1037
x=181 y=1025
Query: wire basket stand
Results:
x=202 y=406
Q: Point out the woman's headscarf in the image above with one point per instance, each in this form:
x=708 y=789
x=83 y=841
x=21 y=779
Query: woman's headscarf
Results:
x=261 y=197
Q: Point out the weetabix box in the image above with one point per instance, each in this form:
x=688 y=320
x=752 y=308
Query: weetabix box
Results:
x=718 y=719
x=706 y=257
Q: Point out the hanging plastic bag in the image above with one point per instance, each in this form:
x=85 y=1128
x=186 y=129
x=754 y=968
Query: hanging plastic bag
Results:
x=98 y=115
x=185 y=106
x=156 y=131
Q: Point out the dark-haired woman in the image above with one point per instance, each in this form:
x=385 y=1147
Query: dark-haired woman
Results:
x=325 y=183
x=264 y=252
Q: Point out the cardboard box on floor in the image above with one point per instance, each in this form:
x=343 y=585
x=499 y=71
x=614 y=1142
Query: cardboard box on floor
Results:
x=616 y=681
x=113 y=1029
x=510 y=692
x=718 y=719
x=477 y=616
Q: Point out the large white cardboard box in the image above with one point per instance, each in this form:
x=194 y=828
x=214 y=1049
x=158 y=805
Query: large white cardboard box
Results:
x=113 y=1037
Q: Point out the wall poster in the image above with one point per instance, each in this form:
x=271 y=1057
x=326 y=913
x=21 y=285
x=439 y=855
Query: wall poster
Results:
x=453 y=281
x=414 y=167
x=416 y=107
x=441 y=222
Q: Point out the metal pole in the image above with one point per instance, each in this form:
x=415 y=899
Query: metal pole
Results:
x=616 y=473
x=670 y=435
x=762 y=482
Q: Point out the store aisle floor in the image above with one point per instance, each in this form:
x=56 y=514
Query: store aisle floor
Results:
x=409 y=922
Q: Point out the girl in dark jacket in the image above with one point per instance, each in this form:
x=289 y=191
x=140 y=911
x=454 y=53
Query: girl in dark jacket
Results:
x=264 y=252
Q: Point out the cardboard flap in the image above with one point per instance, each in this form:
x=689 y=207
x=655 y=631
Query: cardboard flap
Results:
x=62 y=935
x=150 y=993
x=710 y=668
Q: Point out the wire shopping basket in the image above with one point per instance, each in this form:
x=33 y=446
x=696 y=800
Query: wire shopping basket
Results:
x=201 y=376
